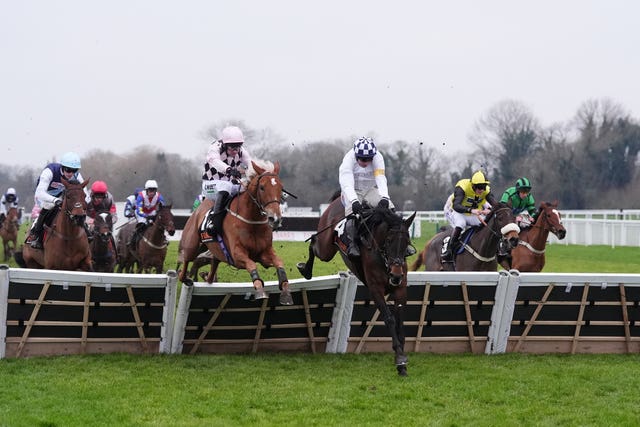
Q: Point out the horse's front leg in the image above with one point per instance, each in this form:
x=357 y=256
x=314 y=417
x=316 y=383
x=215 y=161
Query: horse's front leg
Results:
x=269 y=259
x=393 y=321
x=306 y=268
x=400 y=300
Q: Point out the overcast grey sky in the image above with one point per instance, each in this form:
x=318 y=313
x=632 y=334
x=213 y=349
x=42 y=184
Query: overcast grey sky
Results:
x=78 y=75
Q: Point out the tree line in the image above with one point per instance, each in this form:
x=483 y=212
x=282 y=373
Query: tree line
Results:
x=588 y=162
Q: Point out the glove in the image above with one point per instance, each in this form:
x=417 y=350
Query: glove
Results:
x=57 y=202
x=356 y=207
x=233 y=173
x=383 y=203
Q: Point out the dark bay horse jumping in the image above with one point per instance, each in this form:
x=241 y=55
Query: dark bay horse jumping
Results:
x=151 y=248
x=9 y=232
x=382 y=265
x=478 y=252
x=529 y=255
x=66 y=245
x=103 y=246
x=248 y=233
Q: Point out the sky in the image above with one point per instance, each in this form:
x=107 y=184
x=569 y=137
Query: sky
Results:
x=83 y=75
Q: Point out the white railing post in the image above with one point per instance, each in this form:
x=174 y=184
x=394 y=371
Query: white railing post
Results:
x=4 y=301
x=182 y=315
x=168 y=312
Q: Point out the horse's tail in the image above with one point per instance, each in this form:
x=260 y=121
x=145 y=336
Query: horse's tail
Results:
x=418 y=262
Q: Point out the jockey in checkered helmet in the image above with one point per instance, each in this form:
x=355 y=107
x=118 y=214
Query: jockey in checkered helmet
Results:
x=362 y=179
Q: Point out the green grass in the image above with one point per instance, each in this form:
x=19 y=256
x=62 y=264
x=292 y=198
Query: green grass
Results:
x=329 y=389
x=319 y=390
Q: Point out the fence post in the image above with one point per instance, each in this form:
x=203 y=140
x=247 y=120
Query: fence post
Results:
x=493 y=336
x=168 y=312
x=182 y=315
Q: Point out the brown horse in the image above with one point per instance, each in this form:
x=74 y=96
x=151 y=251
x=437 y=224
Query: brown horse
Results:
x=248 y=233
x=9 y=233
x=477 y=252
x=103 y=247
x=66 y=246
x=382 y=265
x=125 y=262
x=151 y=248
x=529 y=254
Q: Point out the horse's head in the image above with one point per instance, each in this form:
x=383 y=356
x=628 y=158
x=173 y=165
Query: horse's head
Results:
x=165 y=219
x=550 y=215
x=73 y=200
x=265 y=189
x=392 y=239
x=505 y=222
x=102 y=226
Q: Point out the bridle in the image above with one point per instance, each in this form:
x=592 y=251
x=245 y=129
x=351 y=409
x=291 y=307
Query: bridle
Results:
x=255 y=198
x=383 y=252
x=77 y=219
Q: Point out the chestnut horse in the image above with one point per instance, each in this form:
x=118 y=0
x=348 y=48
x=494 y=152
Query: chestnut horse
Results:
x=103 y=247
x=382 y=264
x=151 y=248
x=9 y=232
x=66 y=246
x=248 y=233
x=529 y=254
x=477 y=252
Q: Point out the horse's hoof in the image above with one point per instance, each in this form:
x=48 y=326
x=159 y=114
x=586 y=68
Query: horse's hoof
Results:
x=285 y=298
x=302 y=268
x=260 y=294
x=402 y=370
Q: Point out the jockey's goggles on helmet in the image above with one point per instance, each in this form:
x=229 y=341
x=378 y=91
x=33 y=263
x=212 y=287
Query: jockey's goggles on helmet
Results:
x=99 y=195
x=69 y=170
x=479 y=186
x=364 y=159
x=234 y=146
x=152 y=189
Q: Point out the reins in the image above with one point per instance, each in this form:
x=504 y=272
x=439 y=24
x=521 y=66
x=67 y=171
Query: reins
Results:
x=254 y=198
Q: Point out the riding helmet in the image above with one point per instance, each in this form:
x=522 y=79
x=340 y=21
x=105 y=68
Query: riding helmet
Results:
x=523 y=184
x=151 y=184
x=70 y=160
x=478 y=178
x=99 y=187
x=364 y=148
x=232 y=135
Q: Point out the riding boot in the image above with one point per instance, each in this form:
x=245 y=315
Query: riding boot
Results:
x=215 y=218
x=449 y=247
x=35 y=234
x=2 y=217
x=136 y=235
x=351 y=228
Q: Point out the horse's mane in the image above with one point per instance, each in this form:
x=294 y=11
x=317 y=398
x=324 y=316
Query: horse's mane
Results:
x=383 y=215
x=264 y=164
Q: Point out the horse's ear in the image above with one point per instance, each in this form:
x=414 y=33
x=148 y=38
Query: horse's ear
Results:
x=276 y=168
x=408 y=221
x=258 y=169
x=86 y=181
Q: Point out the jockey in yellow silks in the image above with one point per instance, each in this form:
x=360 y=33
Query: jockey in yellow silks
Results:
x=471 y=198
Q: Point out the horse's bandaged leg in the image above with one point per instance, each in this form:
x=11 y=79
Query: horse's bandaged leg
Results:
x=282 y=276
x=255 y=276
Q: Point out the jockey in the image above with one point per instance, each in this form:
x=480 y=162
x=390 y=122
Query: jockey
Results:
x=522 y=205
x=130 y=204
x=226 y=161
x=48 y=190
x=470 y=199
x=9 y=200
x=100 y=201
x=147 y=204
x=362 y=178
x=521 y=201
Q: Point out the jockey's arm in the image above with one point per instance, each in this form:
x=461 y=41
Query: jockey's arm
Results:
x=43 y=184
x=379 y=175
x=345 y=177
x=458 y=197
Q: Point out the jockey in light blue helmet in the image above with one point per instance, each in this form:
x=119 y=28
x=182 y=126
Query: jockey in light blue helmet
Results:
x=48 y=191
